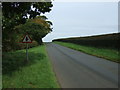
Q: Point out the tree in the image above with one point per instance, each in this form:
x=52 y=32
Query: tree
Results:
x=16 y=13
x=37 y=28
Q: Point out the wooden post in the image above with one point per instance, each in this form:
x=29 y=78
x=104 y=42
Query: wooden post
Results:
x=27 y=52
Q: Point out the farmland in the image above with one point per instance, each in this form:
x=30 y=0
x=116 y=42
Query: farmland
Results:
x=102 y=41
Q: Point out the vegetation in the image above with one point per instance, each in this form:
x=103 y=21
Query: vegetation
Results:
x=37 y=28
x=18 y=19
x=36 y=74
x=110 y=54
x=23 y=45
x=16 y=13
x=99 y=41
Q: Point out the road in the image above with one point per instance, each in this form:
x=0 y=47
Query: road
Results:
x=75 y=69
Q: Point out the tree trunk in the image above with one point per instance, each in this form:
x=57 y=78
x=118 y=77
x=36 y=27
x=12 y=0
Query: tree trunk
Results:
x=40 y=41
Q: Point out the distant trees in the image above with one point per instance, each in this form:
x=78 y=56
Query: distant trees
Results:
x=16 y=13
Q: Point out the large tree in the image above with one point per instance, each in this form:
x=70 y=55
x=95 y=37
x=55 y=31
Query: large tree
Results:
x=16 y=13
x=37 y=28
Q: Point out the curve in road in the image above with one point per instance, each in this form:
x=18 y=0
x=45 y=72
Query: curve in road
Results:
x=75 y=69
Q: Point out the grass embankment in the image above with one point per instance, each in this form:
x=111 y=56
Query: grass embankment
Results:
x=37 y=73
x=109 y=54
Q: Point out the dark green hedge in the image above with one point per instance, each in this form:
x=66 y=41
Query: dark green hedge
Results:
x=104 y=41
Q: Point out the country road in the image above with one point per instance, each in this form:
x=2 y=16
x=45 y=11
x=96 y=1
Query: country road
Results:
x=75 y=69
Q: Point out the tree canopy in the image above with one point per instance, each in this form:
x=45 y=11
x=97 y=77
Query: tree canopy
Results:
x=37 y=28
x=16 y=13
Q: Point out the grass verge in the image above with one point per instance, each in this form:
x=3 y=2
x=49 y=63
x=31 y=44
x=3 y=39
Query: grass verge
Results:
x=109 y=54
x=37 y=73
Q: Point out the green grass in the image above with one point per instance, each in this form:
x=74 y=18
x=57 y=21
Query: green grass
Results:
x=109 y=54
x=37 y=73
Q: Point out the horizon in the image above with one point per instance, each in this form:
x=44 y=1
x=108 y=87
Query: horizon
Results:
x=87 y=36
x=90 y=18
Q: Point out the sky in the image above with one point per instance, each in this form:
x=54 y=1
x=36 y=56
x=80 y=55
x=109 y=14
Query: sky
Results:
x=79 y=19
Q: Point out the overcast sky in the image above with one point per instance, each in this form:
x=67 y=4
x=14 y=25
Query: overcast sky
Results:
x=74 y=19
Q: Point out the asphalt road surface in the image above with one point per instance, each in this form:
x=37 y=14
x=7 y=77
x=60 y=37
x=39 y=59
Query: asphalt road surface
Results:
x=75 y=69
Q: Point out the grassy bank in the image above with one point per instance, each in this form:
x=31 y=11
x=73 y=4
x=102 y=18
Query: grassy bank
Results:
x=108 y=54
x=36 y=74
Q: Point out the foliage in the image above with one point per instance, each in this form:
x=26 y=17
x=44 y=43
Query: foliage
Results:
x=23 y=45
x=37 y=28
x=36 y=74
x=16 y=13
x=104 y=41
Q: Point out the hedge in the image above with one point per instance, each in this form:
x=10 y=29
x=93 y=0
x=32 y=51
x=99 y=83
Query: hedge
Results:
x=104 y=41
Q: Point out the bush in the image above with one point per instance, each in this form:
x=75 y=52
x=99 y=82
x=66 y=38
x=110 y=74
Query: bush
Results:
x=23 y=45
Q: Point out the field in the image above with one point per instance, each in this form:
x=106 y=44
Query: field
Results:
x=102 y=41
x=37 y=73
